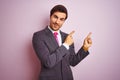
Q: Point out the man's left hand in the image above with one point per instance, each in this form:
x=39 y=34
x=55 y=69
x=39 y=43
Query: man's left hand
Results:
x=87 y=42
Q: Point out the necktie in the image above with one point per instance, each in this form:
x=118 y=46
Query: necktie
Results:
x=55 y=35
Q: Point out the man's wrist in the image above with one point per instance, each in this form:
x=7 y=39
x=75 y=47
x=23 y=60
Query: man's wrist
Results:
x=66 y=46
x=85 y=48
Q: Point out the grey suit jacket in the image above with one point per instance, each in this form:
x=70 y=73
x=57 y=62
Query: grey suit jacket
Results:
x=55 y=59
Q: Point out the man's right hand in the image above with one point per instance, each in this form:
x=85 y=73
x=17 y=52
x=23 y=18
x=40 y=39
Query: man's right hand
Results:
x=69 y=39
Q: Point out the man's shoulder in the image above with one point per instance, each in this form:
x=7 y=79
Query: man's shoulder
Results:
x=41 y=33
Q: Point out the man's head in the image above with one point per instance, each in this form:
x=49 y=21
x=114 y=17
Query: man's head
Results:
x=58 y=15
x=59 y=8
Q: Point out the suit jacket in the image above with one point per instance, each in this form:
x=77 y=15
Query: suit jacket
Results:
x=55 y=59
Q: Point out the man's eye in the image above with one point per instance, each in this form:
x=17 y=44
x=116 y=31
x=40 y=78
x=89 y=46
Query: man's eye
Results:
x=62 y=19
x=55 y=17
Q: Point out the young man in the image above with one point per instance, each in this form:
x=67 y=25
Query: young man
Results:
x=55 y=49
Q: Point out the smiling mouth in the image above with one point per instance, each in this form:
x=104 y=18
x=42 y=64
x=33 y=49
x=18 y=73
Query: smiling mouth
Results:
x=55 y=25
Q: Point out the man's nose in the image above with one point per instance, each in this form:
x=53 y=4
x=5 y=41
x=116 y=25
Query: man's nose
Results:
x=57 y=20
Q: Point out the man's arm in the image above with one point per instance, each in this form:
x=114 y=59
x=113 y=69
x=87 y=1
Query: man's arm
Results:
x=48 y=59
x=82 y=53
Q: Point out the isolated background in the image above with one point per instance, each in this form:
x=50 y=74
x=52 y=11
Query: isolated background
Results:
x=19 y=19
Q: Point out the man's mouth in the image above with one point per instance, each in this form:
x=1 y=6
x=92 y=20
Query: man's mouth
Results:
x=55 y=25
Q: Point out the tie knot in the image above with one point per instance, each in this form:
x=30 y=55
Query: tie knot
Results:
x=55 y=33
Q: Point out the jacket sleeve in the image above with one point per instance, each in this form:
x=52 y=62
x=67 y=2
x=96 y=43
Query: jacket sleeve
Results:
x=75 y=58
x=48 y=59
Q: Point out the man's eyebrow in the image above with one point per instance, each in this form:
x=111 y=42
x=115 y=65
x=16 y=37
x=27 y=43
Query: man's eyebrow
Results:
x=58 y=17
x=55 y=15
x=62 y=18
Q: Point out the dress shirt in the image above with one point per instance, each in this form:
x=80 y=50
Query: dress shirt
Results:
x=59 y=38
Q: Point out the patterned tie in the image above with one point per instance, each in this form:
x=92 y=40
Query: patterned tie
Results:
x=55 y=35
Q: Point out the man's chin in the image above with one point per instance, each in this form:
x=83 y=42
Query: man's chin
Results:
x=55 y=29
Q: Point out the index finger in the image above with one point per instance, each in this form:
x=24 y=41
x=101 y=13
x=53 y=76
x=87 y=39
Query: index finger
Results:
x=88 y=36
x=71 y=33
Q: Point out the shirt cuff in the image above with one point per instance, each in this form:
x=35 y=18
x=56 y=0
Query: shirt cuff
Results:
x=66 y=46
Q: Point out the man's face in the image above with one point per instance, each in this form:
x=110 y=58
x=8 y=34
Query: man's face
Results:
x=56 y=20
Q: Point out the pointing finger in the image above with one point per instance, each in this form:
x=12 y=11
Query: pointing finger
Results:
x=88 y=36
x=71 y=33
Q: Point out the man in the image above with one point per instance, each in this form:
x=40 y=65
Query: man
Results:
x=55 y=49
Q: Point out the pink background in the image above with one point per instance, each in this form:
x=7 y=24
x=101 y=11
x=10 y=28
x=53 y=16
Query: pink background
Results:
x=19 y=19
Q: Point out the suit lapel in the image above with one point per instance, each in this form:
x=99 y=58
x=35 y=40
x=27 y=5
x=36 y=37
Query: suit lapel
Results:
x=63 y=36
x=51 y=38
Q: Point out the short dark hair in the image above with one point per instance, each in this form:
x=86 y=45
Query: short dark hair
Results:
x=59 y=8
